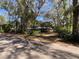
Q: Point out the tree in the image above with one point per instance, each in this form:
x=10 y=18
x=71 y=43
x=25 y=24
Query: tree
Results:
x=2 y=20
x=18 y=10
x=75 y=19
x=21 y=9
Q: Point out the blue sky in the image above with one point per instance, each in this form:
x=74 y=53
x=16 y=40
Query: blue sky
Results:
x=43 y=19
x=47 y=6
x=42 y=11
x=4 y=13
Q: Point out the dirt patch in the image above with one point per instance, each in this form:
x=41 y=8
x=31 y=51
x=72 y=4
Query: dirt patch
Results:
x=13 y=46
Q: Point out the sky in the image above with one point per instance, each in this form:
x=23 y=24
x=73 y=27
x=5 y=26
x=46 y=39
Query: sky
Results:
x=4 y=13
x=47 y=6
x=42 y=11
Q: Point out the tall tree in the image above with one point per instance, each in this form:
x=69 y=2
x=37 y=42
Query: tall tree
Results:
x=75 y=19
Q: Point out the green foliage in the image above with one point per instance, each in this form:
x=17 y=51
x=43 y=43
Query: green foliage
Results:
x=64 y=32
x=2 y=20
x=33 y=32
x=7 y=27
x=46 y=24
x=62 y=16
x=1 y=30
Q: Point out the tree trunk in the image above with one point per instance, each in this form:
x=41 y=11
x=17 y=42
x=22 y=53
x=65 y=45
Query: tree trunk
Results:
x=75 y=20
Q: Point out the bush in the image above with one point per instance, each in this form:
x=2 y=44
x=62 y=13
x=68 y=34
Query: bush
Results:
x=33 y=32
x=6 y=28
x=1 y=29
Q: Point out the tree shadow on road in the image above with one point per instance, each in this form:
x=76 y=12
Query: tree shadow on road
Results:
x=20 y=48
